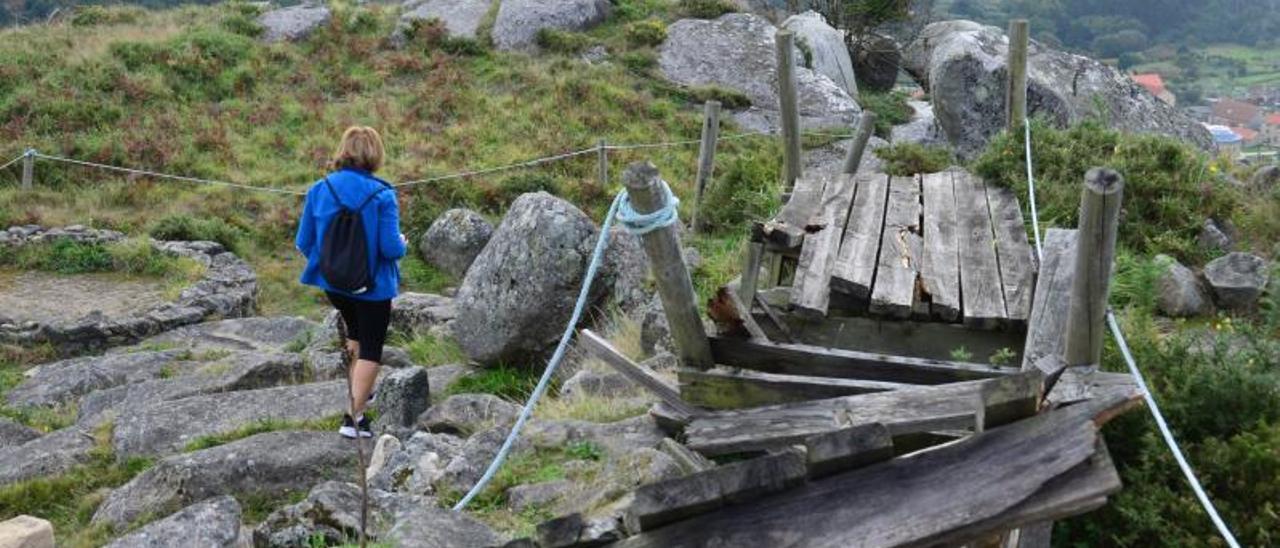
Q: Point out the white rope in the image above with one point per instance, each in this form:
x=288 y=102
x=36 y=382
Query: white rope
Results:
x=527 y=163
x=15 y=160
x=165 y=175
x=1031 y=189
x=1168 y=435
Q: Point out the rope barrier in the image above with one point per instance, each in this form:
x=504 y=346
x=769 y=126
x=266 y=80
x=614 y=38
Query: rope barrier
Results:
x=1168 y=435
x=15 y=160
x=1116 y=333
x=527 y=163
x=165 y=175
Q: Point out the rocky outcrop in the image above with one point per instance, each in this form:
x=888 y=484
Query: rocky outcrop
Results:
x=269 y=464
x=877 y=60
x=465 y=469
x=64 y=381
x=518 y=295
x=168 y=426
x=441 y=528
x=922 y=129
x=331 y=512
x=461 y=18
x=1179 y=293
x=293 y=23
x=403 y=395
x=454 y=240
x=827 y=52
x=213 y=523
x=418 y=465
x=591 y=383
x=1216 y=236
x=1237 y=280
x=12 y=433
x=423 y=313
x=962 y=65
x=227 y=289
x=466 y=414
x=48 y=455
x=737 y=51
x=256 y=334
x=519 y=21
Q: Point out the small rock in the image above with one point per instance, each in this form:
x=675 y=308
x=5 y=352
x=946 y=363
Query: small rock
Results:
x=45 y=456
x=417 y=467
x=440 y=528
x=468 y=413
x=214 y=523
x=922 y=129
x=655 y=332
x=421 y=312
x=387 y=446
x=876 y=59
x=403 y=395
x=1215 y=236
x=1179 y=293
x=692 y=258
x=12 y=433
x=1265 y=179
x=576 y=530
x=442 y=376
x=522 y=497
x=26 y=532
x=455 y=239
x=618 y=437
x=466 y=468
x=293 y=23
x=662 y=361
x=519 y=21
x=332 y=511
x=595 y=55
x=590 y=383
x=1237 y=280
x=460 y=17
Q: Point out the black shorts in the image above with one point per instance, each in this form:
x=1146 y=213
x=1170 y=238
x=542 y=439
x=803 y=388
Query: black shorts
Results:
x=366 y=322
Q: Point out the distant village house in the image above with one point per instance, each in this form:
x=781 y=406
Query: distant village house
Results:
x=1230 y=112
x=1271 y=130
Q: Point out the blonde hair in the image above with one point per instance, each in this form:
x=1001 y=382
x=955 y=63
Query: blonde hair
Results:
x=360 y=148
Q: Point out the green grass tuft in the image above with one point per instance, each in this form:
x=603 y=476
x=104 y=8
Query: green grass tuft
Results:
x=906 y=159
x=260 y=427
x=510 y=383
x=429 y=350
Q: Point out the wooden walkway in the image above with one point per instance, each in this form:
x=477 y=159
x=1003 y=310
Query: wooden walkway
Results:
x=940 y=247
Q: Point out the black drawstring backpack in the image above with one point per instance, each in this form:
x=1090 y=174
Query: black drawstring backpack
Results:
x=344 y=256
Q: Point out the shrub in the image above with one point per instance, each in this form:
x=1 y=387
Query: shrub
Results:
x=529 y=181
x=61 y=256
x=246 y=25
x=559 y=41
x=911 y=158
x=1169 y=188
x=640 y=61
x=649 y=32
x=891 y=109
x=505 y=382
x=89 y=16
x=729 y=98
x=184 y=227
x=707 y=9
x=747 y=191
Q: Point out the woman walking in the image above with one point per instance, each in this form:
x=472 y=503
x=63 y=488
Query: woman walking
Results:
x=350 y=223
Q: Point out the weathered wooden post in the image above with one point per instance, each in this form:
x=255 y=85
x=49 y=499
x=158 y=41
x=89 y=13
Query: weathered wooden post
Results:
x=646 y=190
x=602 y=156
x=1015 y=105
x=866 y=125
x=1095 y=252
x=751 y=273
x=28 y=168
x=785 y=42
x=706 y=154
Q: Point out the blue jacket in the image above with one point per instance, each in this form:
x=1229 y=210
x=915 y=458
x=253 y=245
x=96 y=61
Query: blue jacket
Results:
x=381 y=225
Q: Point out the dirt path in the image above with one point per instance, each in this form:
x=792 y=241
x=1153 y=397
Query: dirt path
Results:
x=48 y=297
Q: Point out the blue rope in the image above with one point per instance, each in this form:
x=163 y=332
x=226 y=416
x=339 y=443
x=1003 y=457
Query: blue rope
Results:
x=634 y=223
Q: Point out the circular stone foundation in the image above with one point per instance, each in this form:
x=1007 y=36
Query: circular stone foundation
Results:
x=81 y=313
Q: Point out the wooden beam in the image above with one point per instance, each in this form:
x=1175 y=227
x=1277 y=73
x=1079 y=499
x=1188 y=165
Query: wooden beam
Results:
x=1048 y=320
x=1095 y=252
x=786 y=231
x=855 y=267
x=940 y=265
x=784 y=42
x=800 y=359
x=858 y=147
x=811 y=291
x=666 y=259
x=979 y=271
x=846 y=449
x=689 y=461
x=730 y=388
x=751 y=273
x=1015 y=106
x=706 y=156
x=606 y=352
x=1016 y=258
x=898 y=268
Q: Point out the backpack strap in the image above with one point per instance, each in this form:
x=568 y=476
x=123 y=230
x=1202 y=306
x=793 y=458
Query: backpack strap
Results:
x=335 y=194
x=370 y=198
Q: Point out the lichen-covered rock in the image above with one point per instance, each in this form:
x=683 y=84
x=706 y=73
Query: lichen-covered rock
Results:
x=922 y=129
x=461 y=18
x=331 y=512
x=26 y=532
x=466 y=414
x=590 y=383
x=1215 y=236
x=386 y=448
x=737 y=51
x=213 y=523
x=441 y=528
x=403 y=395
x=454 y=240
x=518 y=295
x=422 y=313
x=274 y=463
x=962 y=65
x=877 y=60
x=466 y=468
x=260 y=334
x=830 y=55
x=1178 y=291
x=619 y=437
x=443 y=376
x=293 y=23
x=418 y=465
x=519 y=21
x=48 y=455
x=1237 y=280
x=64 y=381
x=523 y=497
x=1265 y=179
x=12 y=433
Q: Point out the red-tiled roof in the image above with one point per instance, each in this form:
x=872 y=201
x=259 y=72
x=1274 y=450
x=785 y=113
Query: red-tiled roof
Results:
x=1273 y=120
x=1238 y=112
x=1152 y=81
x=1245 y=133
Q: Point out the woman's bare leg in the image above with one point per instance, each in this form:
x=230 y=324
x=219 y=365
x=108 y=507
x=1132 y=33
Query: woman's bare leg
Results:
x=363 y=376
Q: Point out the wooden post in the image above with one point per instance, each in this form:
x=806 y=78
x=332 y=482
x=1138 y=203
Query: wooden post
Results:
x=706 y=154
x=645 y=188
x=1095 y=251
x=602 y=154
x=751 y=273
x=785 y=42
x=866 y=126
x=28 y=168
x=1015 y=105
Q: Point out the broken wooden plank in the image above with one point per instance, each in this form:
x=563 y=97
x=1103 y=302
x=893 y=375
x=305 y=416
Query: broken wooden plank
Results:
x=751 y=273
x=956 y=406
x=1048 y=321
x=657 y=504
x=810 y=292
x=688 y=461
x=744 y=313
x=898 y=268
x=995 y=478
x=848 y=448
x=732 y=388
x=783 y=329
x=800 y=359
x=601 y=349
x=983 y=300
x=940 y=265
x=855 y=267
x=1017 y=266
x=787 y=229
x=1082 y=383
